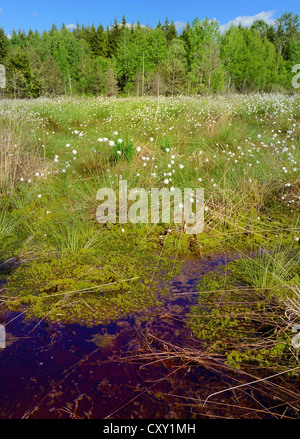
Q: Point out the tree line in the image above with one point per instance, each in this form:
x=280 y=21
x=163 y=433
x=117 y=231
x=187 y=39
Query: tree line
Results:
x=142 y=60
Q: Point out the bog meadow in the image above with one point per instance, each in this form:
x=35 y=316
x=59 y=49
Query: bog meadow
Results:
x=141 y=320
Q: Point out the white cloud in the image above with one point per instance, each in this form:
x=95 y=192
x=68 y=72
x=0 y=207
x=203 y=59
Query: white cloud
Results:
x=71 y=26
x=35 y=14
x=1 y=10
x=180 y=25
x=248 y=20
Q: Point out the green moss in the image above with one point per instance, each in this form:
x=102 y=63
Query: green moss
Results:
x=86 y=286
x=242 y=320
x=105 y=341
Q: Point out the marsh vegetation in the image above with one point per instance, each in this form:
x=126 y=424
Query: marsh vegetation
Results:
x=60 y=265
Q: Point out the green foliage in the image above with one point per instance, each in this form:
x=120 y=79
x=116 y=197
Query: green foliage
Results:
x=143 y=60
x=21 y=80
x=251 y=60
x=4 y=45
x=206 y=67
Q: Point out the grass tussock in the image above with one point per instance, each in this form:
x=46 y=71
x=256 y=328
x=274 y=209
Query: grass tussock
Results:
x=20 y=156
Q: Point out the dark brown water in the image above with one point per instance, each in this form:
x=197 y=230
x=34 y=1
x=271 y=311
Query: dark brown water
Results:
x=71 y=371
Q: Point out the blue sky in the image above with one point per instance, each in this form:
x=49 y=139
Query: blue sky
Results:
x=40 y=15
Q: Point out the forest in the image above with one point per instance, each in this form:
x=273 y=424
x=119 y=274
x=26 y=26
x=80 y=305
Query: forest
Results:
x=137 y=60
